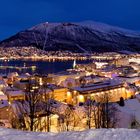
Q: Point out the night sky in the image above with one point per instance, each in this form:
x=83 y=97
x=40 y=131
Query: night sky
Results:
x=16 y=15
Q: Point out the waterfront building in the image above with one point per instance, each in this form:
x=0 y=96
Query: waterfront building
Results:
x=120 y=62
x=86 y=67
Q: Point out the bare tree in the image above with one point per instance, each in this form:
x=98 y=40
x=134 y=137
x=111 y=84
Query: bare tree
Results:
x=67 y=121
x=26 y=111
x=106 y=112
x=89 y=105
x=101 y=114
x=33 y=100
x=48 y=100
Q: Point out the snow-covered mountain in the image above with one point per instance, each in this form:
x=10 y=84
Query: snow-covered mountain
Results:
x=79 y=37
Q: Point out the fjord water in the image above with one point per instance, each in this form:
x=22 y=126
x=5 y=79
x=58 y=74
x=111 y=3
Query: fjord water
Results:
x=40 y=67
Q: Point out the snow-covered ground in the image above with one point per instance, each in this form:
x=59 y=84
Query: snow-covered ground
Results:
x=97 y=134
x=129 y=113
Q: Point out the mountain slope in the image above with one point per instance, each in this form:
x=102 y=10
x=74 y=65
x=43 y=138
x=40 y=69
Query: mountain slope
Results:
x=77 y=37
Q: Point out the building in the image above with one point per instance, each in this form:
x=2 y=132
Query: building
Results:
x=14 y=94
x=55 y=92
x=86 y=67
x=62 y=76
x=111 y=89
x=132 y=80
x=121 y=62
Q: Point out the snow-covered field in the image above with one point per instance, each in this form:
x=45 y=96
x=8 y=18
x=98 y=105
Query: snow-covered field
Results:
x=98 y=134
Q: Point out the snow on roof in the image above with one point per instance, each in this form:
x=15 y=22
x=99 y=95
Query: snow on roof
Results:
x=95 y=134
x=10 y=75
x=8 y=88
x=99 y=85
x=23 y=76
x=27 y=74
x=3 y=97
x=63 y=73
x=1 y=93
x=4 y=103
x=15 y=92
x=128 y=79
x=54 y=86
x=2 y=82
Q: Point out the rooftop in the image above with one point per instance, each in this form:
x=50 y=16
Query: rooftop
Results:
x=99 y=86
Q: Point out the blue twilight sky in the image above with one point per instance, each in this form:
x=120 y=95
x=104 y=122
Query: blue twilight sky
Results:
x=16 y=15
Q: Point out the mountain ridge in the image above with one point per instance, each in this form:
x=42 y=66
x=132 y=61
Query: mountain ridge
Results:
x=76 y=37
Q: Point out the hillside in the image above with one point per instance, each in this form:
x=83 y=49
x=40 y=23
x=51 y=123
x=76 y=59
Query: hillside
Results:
x=76 y=37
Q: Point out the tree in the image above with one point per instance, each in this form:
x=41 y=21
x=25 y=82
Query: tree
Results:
x=67 y=120
x=101 y=114
x=48 y=100
x=121 y=102
x=134 y=124
x=107 y=112
x=27 y=110
x=33 y=100
x=89 y=111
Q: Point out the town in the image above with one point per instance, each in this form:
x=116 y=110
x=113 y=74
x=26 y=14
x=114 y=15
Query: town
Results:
x=33 y=53
x=75 y=99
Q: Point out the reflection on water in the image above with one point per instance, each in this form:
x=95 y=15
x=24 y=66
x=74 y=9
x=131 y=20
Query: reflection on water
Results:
x=41 y=67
